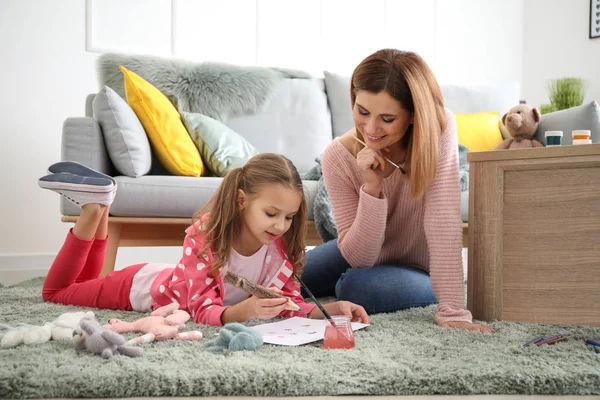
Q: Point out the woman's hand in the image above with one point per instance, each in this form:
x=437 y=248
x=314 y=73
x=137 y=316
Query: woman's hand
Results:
x=467 y=325
x=354 y=311
x=372 y=166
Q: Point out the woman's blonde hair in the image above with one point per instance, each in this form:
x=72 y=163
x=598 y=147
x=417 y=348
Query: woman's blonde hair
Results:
x=225 y=219
x=407 y=78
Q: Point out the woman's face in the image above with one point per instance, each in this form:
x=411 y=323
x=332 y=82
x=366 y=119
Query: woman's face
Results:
x=380 y=119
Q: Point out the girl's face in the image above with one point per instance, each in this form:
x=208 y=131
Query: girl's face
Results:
x=380 y=118
x=266 y=215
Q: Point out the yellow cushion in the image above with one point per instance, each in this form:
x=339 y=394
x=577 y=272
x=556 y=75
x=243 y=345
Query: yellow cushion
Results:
x=170 y=140
x=479 y=131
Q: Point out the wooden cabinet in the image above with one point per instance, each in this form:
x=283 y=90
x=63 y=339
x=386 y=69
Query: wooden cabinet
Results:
x=534 y=235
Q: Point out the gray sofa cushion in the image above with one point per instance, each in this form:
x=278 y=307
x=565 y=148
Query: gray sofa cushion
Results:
x=295 y=122
x=338 y=97
x=124 y=135
x=586 y=116
x=172 y=196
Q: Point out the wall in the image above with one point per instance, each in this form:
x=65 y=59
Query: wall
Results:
x=45 y=75
x=49 y=49
x=460 y=39
x=555 y=45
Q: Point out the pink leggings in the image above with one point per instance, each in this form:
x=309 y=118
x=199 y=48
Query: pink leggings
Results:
x=73 y=278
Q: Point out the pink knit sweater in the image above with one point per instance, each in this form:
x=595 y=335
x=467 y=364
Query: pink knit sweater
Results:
x=425 y=233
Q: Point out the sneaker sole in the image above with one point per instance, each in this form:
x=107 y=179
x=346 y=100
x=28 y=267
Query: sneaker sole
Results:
x=75 y=187
x=75 y=168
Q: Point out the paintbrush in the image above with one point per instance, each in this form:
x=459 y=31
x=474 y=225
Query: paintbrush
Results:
x=257 y=290
x=318 y=303
x=385 y=158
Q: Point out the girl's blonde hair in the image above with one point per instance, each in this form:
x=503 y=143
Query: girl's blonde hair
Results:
x=407 y=78
x=225 y=220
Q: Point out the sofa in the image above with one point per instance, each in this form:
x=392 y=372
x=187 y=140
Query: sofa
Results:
x=299 y=119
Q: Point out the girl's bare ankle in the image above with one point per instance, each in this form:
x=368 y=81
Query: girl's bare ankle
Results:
x=95 y=208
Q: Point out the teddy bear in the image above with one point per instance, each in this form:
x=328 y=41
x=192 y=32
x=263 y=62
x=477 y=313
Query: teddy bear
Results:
x=92 y=336
x=162 y=324
x=521 y=122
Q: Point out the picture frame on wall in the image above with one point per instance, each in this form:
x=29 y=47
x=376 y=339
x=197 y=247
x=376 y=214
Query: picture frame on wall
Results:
x=594 y=19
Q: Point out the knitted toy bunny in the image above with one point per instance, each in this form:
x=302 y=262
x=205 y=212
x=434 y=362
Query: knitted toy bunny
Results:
x=98 y=340
x=164 y=323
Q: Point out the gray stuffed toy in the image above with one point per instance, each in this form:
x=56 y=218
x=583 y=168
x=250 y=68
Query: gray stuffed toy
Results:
x=98 y=340
x=235 y=337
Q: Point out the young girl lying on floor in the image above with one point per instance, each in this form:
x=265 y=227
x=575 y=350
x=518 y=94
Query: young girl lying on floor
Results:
x=253 y=226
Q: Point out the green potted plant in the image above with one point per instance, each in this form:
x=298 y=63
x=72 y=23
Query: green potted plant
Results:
x=564 y=93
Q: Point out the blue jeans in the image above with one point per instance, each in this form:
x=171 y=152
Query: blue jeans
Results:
x=382 y=288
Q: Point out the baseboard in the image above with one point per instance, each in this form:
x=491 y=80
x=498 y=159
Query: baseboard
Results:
x=17 y=268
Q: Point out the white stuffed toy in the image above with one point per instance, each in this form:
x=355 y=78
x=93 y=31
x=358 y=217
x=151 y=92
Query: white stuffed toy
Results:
x=61 y=328
x=65 y=324
x=25 y=334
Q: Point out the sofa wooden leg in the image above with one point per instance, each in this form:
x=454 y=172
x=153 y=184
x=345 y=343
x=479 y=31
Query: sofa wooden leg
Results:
x=114 y=237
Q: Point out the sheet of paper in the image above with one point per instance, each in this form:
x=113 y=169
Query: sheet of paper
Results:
x=296 y=331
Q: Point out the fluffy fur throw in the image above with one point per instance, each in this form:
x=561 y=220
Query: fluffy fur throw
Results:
x=322 y=210
x=214 y=89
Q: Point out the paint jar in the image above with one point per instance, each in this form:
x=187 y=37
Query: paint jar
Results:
x=553 y=138
x=339 y=336
x=582 y=137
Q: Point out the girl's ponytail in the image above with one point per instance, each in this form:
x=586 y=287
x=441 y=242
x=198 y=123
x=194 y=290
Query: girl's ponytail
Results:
x=224 y=220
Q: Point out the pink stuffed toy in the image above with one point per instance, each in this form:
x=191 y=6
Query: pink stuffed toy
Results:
x=162 y=324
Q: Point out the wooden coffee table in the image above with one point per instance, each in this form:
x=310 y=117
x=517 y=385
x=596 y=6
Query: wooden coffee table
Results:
x=534 y=235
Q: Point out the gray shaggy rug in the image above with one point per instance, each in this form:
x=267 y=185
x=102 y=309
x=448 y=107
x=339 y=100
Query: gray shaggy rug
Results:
x=402 y=353
x=215 y=89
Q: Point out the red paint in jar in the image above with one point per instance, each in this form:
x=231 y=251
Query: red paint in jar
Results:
x=339 y=336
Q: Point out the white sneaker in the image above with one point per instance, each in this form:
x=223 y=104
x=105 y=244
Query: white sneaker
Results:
x=80 y=190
